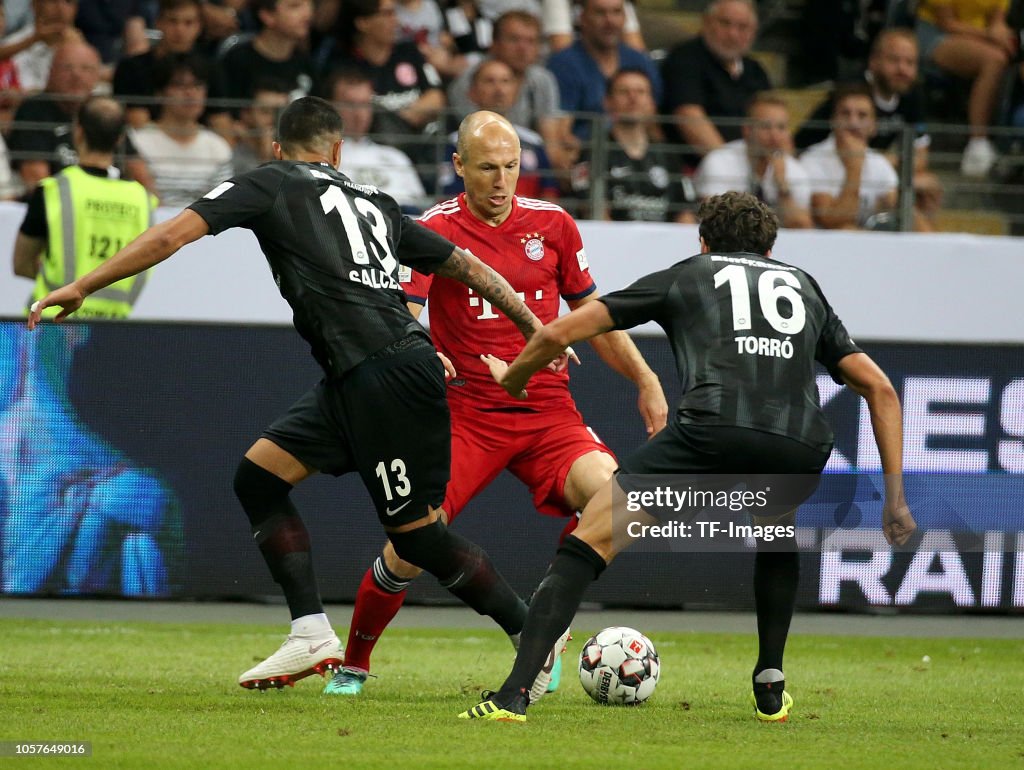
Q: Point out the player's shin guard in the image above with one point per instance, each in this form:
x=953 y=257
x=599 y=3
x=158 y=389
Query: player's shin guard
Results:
x=281 y=536
x=380 y=597
x=776 y=574
x=552 y=609
x=465 y=570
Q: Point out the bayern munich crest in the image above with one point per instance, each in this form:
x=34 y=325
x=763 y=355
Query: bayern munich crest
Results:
x=534 y=246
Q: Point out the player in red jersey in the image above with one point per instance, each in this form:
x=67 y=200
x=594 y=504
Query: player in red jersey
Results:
x=543 y=440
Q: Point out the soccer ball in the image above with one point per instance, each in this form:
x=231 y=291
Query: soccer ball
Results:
x=619 y=666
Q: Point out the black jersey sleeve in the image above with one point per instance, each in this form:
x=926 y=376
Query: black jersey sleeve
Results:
x=641 y=301
x=240 y=200
x=834 y=342
x=422 y=248
x=35 y=225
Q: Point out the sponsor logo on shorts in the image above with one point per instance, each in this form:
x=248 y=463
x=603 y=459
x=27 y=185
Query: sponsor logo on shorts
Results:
x=391 y=512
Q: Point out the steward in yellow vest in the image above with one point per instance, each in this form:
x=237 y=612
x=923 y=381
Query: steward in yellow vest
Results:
x=82 y=215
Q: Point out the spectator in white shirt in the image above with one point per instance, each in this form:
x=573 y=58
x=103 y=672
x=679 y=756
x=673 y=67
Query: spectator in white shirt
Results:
x=849 y=181
x=186 y=160
x=760 y=163
x=31 y=48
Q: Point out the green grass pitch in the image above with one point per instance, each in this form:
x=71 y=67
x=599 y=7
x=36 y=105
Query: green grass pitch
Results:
x=165 y=695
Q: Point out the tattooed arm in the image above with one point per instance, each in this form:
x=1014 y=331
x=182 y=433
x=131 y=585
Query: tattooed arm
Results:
x=464 y=267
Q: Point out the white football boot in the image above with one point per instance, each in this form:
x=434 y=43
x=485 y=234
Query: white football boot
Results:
x=297 y=658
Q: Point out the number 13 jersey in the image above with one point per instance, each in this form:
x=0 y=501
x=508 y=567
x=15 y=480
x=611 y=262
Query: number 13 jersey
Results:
x=539 y=251
x=334 y=248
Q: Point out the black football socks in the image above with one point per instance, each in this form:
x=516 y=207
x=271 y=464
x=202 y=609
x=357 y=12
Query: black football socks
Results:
x=776 y=574
x=281 y=536
x=552 y=609
x=463 y=568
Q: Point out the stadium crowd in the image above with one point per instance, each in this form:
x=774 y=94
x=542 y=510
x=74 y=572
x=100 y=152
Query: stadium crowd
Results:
x=608 y=128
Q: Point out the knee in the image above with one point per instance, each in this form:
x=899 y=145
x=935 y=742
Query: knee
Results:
x=602 y=541
x=252 y=480
x=397 y=565
x=994 y=58
x=422 y=546
x=260 y=492
x=779 y=541
x=782 y=557
x=586 y=476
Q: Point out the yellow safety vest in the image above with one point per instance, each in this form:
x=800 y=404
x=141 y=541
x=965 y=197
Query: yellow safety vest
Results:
x=89 y=219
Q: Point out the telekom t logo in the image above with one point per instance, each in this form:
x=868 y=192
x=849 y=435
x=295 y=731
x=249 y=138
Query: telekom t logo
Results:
x=488 y=312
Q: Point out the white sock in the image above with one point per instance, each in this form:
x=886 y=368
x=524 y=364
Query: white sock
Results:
x=316 y=625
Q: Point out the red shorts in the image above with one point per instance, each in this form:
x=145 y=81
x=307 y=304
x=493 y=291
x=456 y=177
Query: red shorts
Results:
x=538 y=448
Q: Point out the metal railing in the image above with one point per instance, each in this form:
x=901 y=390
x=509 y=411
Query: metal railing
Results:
x=992 y=204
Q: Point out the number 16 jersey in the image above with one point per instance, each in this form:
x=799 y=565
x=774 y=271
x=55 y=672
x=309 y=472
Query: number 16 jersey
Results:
x=745 y=331
x=539 y=251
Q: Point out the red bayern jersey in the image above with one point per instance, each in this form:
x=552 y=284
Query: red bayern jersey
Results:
x=538 y=250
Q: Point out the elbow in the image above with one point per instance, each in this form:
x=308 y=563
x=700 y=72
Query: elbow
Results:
x=879 y=392
x=888 y=395
x=167 y=238
x=168 y=243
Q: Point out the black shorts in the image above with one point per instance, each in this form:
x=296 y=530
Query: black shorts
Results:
x=387 y=419
x=723 y=453
x=723 y=449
